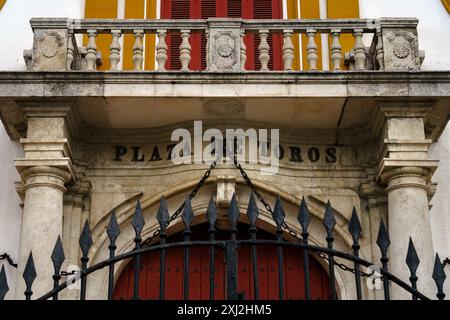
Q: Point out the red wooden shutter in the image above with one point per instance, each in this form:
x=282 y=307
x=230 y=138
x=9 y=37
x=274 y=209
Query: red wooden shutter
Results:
x=264 y=9
x=246 y=9
x=174 y=9
x=209 y=10
x=234 y=9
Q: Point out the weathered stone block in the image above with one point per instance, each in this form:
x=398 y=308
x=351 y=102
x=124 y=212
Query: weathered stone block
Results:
x=401 y=49
x=49 y=44
x=223 y=49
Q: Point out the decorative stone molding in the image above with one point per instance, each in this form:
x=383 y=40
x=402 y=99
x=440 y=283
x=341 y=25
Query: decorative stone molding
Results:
x=396 y=168
x=400 y=47
x=226 y=187
x=44 y=176
x=224 y=45
x=50 y=45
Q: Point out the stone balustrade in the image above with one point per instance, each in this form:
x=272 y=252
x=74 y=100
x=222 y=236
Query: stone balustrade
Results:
x=393 y=43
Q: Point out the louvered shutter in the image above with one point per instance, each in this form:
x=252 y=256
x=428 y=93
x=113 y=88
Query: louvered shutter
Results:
x=208 y=10
x=264 y=9
x=174 y=9
x=246 y=9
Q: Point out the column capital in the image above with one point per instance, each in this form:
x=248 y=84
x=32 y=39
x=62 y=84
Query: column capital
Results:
x=45 y=109
x=54 y=173
x=406 y=172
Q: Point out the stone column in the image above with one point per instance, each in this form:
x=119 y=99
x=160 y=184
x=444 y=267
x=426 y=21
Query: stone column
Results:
x=405 y=171
x=45 y=170
x=41 y=224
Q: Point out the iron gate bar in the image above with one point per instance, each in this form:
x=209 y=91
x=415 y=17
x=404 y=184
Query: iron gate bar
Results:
x=3 y=283
x=383 y=243
x=231 y=246
x=252 y=216
x=163 y=217
x=278 y=216
x=188 y=216
x=412 y=260
x=231 y=250
x=222 y=244
x=57 y=259
x=304 y=219
x=113 y=232
x=329 y=222
x=354 y=227
x=85 y=245
x=138 y=224
x=439 y=277
x=29 y=275
x=211 y=215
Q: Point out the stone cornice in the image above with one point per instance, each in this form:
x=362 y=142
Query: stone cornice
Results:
x=350 y=77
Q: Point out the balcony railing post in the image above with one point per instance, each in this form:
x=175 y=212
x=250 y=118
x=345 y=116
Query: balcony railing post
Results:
x=288 y=50
x=360 y=54
x=185 y=50
x=138 y=49
x=91 y=51
x=243 y=50
x=264 y=48
x=379 y=50
x=400 y=46
x=114 y=50
x=336 y=54
x=311 y=49
x=161 y=50
x=50 y=44
x=225 y=45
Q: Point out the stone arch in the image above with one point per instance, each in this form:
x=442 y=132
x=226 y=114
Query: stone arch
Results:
x=98 y=281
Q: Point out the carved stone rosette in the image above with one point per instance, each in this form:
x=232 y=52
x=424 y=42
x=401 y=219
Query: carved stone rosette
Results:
x=50 y=49
x=224 y=51
x=401 y=49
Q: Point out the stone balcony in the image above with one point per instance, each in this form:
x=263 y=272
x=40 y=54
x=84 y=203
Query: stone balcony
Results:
x=394 y=44
x=383 y=65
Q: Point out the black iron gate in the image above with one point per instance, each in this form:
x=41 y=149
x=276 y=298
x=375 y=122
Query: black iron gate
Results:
x=230 y=248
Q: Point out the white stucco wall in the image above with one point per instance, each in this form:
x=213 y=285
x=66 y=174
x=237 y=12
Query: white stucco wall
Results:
x=10 y=210
x=434 y=23
x=15 y=30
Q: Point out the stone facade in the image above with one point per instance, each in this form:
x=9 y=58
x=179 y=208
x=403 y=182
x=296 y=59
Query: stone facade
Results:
x=98 y=141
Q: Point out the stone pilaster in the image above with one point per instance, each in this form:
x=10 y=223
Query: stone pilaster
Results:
x=45 y=170
x=405 y=171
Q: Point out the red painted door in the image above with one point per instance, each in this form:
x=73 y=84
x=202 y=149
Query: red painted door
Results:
x=203 y=9
x=199 y=272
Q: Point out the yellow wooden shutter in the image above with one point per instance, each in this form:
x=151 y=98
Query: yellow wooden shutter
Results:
x=309 y=9
x=150 y=38
x=292 y=13
x=134 y=9
x=340 y=9
x=101 y=9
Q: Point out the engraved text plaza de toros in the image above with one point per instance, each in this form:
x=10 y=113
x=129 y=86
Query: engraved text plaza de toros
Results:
x=284 y=152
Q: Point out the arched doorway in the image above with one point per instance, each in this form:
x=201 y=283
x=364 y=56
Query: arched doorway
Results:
x=199 y=275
